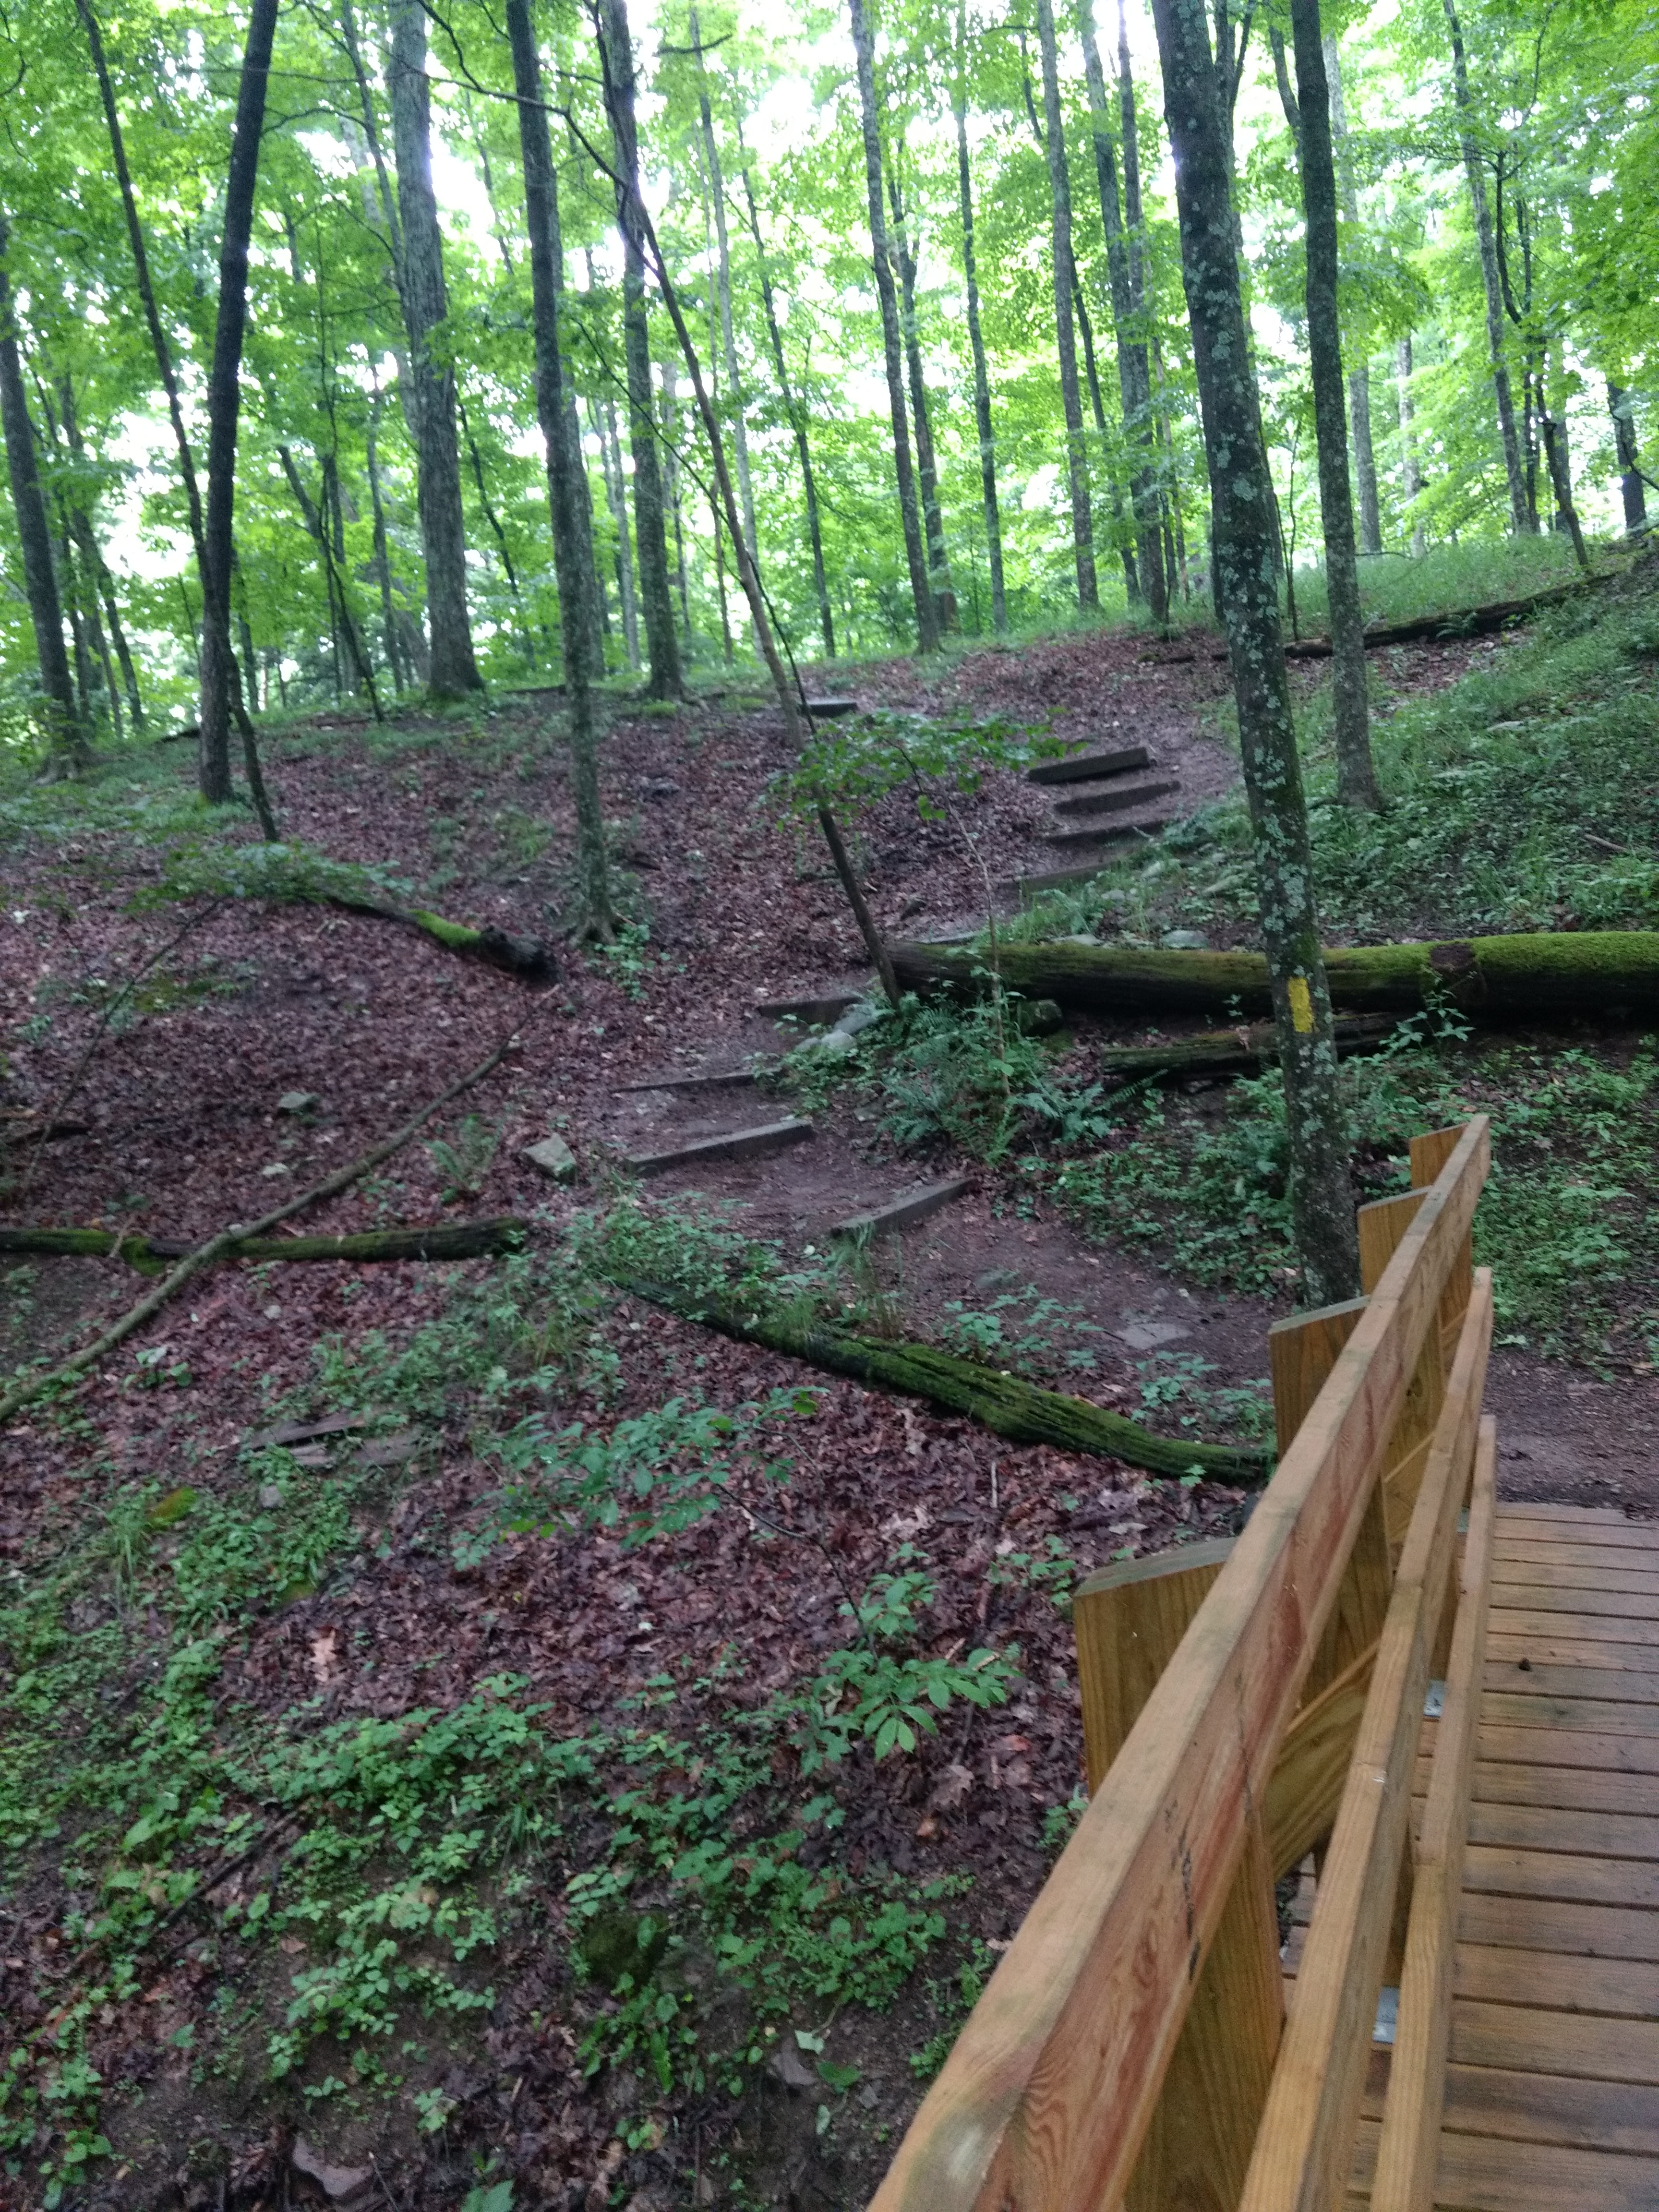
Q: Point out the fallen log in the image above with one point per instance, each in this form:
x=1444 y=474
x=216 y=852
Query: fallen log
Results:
x=1519 y=978
x=1021 y=1412
x=1232 y=1052
x=526 y=958
x=444 y=1240
x=1459 y=622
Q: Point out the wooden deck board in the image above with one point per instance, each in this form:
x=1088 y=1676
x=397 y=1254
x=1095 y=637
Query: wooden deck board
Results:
x=1553 y=2081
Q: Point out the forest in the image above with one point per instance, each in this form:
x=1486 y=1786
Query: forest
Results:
x=751 y=759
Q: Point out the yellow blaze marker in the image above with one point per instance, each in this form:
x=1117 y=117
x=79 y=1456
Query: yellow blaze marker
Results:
x=1301 y=1004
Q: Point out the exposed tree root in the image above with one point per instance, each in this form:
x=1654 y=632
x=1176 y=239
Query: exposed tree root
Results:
x=445 y=1240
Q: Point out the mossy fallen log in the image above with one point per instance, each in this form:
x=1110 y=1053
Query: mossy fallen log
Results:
x=1232 y=1052
x=1021 y=1412
x=444 y=1240
x=1541 y=977
x=526 y=958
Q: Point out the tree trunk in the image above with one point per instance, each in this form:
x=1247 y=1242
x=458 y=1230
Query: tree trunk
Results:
x=1021 y=1412
x=572 y=560
x=1322 y=1202
x=915 y=557
x=797 y=414
x=1134 y=369
x=1059 y=188
x=1359 y=377
x=723 y=280
x=1520 y=978
x=1632 y=488
x=316 y=520
x=382 y=556
x=453 y=670
x=1555 y=450
x=445 y=1240
x=938 y=566
x=671 y=478
x=616 y=498
x=1486 y=239
x=988 y=449
x=1356 y=777
x=650 y=526
x=1410 y=472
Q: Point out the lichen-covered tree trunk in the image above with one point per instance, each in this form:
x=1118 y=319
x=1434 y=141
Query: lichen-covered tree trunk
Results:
x=68 y=738
x=983 y=422
x=932 y=515
x=665 y=679
x=864 y=46
x=1359 y=376
x=1322 y=1202
x=1059 y=193
x=1134 y=376
x=572 y=553
x=1356 y=777
x=454 y=672
x=1486 y=239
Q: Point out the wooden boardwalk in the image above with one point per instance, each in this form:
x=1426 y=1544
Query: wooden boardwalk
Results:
x=1553 y=2084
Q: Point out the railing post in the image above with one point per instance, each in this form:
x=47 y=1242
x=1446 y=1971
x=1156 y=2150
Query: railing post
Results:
x=1129 y=1618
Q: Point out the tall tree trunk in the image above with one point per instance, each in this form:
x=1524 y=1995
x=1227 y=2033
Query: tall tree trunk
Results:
x=864 y=45
x=1133 y=370
x=1631 y=486
x=615 y=495
x=987 y=448
x=671 y=478
x=938 y=566
x=1486 y=239
x=1359 y=376
x=797 y=414
x=382 y=553
x=1322 y=1202
x=572 y=558
x=454 y=673
x=220 y=690
x=1411 y=473
x=723 y=280
x=1356 y=777
x=1059 y=188
x=1554 y=434
x=650 y=527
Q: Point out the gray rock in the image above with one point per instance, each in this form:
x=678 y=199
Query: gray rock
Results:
x=1185 y=940
x=859 y=1017
x=270 y=1497
x=554 y=1157
x=1147 y=1335
x=298 y=1102
x=834 y=1044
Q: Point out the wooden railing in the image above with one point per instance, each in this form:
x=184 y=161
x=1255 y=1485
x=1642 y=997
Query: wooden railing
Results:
x=1243 y=1704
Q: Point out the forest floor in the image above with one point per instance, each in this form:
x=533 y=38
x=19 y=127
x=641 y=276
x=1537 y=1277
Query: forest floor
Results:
x=514 y=1791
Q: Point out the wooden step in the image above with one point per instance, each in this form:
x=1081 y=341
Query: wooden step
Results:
x=1022 y=888
x=831 y=710
x=1107 y=833
x=1083 y=768
x=830 y=1007
x=899 y=1212
x=735 y=1144
x=724 y=1078
x=1115 y=802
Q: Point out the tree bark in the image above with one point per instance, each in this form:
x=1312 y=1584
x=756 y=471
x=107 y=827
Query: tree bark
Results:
x=67 y=736
x=573 y=568
x=1059 y=189
x=1632 y=485
x=1555 y=452
x=1021 y=1412
x=1322 y=1202
x=382 y=553
x=1410 y=469
x=797 y=414
x=454 y=672
x=445 y=1240
x=723 y=281
x=1520 y=978
x=1486 y=241
x=987 y=428
x=863 y=45
x=1359 y=376
x=616 y=498
x=1356 y=777
x=1134 y=376
x=665 y=679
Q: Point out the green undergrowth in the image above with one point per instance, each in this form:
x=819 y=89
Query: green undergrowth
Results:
x=351 y=1886
x=1525 y=796
x=1447 y=579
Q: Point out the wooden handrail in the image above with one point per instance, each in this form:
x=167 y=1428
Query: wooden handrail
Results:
x=1044 y=2102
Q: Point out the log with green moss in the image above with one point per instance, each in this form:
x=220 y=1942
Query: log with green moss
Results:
x=1608 y=972
x=1021 y=1411
x=445 y=1240
x=1232 y=1052
x=526 y=958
